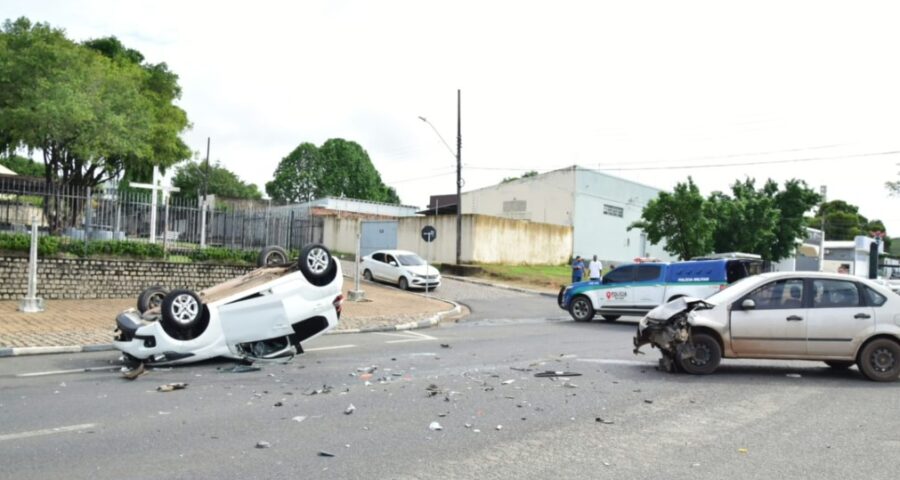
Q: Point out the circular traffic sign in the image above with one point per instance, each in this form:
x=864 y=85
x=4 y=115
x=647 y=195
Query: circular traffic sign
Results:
x=429 y=233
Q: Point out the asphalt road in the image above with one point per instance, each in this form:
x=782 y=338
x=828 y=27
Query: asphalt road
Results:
x=752 y=419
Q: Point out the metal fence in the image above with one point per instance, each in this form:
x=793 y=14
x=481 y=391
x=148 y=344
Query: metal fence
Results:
x=108 y=214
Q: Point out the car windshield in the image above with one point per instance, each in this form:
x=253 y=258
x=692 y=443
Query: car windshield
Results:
x=410 y=260
x=726 y=292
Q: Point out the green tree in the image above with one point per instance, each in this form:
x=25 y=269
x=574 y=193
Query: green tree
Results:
x=93 y=110
x=682 y=218
x=844 y=222
x=221 y=182
x=22 y=165
x=338 y=168
x=766 y=221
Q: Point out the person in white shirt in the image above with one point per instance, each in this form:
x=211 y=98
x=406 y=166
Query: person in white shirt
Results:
x=595 y=267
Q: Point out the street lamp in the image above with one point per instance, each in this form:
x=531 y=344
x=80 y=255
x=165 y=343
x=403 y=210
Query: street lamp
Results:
x=458 y=156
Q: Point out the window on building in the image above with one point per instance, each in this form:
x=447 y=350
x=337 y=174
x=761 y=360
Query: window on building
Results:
x=613 y=210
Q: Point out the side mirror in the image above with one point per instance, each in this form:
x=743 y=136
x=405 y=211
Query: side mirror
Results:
x=393 y=264
x=748 y=304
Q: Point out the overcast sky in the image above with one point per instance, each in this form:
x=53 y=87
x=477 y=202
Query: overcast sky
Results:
x=778 y=90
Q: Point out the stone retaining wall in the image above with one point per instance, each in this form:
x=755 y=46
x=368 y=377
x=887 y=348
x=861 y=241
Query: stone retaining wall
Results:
x=89 y=278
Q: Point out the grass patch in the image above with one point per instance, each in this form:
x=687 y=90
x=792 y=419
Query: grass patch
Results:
x=540 y=275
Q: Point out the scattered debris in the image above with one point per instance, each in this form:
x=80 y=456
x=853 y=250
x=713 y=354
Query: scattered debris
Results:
x=323 y=453
x=299 y=418
x=435 y=426
x=569 y=385
x=131 y=374
x=606 y=464
x=648 y=401
x=695 y=464
x=241 y=368
x=521 y=369
x=499 y=427
x=468 y=425
x=319 y=391
x=279 y=404
x=445 y=345
x=164 y=413
x=507 y=382
x=433 y=390
x=350 y=409
x=477 y=430
x=442 y=415
x=367 y=369
x=263 y=444
x=794 y=375
x=605 y=422
x=171 y=386
x=551 y=374
x=743 y=451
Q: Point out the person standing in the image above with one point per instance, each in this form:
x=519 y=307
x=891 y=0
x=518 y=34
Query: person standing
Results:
x=594 y=269
x=577 y=269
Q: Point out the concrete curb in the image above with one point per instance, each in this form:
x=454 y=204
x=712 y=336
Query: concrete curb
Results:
x=427 y=323
x=500 y=285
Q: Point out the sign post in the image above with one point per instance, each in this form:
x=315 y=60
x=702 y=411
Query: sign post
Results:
x=32 y=303
x=429 y=233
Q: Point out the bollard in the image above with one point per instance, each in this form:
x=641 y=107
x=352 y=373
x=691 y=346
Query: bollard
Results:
x=31 y=303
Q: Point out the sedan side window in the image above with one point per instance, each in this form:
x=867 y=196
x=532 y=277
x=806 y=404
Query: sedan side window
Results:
x=378 y=257
x=780 y=295
x=389 y=259
x=835 y=294
x=875 y=299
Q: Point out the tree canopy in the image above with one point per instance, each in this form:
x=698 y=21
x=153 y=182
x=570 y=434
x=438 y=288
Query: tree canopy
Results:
x=844 y=222
x=94 y=110
x=767 y=221
x=22 y=165
x=681 y=218
x=338 y=168
x=221 y=182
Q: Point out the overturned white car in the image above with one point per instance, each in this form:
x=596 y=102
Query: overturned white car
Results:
x=264 y=314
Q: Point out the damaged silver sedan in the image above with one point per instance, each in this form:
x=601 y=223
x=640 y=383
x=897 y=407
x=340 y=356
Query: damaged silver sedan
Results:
x=838 y=319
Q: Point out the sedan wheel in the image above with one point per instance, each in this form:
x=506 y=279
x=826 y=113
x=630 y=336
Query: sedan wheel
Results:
x=880 y=360
x=581 y=309
x=706 y=358
x=367 y=275
x=403 y=283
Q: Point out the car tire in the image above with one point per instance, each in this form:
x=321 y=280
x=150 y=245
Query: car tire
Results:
x=317 y=264
x=272 y=255
x=839 y=364
x=150 y=298
x=182 y=311
x=403 y=283
x=879 y=360
x=611 y=318
x=581 y=309
x=707 y=355
x=367 y=274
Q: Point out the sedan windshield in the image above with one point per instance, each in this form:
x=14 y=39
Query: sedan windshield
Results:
x=411 y=260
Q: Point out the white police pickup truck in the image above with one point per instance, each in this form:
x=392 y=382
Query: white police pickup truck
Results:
x=635 y=289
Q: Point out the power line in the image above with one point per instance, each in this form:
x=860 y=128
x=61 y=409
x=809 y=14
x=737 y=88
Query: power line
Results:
x=736 y=155
x=744 y=164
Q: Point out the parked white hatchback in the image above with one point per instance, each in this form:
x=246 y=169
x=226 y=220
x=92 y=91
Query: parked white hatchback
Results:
x=835 y=318
x=400 y=267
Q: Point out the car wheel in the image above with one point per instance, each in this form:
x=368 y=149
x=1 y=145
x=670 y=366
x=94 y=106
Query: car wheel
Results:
x=839 y=364
x=367 y=275
x=317 y=264
x=182 y=312
x=150 y=298
x=706 y=358
x=272 y=255
x=611 y=318
x=880 y=360
x=403 y=283
x=581 y=309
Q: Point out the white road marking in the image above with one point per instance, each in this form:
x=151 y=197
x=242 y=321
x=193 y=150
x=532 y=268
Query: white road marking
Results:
x=613 y=361
x=46 y=431
x=401 y=335
x=417 y=337
x=320 y=349
x=61 y=372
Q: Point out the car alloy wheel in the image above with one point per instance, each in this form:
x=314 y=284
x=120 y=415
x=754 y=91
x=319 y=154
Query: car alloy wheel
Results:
x=317 y=260
x=185 y=309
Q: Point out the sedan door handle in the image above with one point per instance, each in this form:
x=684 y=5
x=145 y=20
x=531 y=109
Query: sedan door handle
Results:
x=862 y=315
x=794 y=318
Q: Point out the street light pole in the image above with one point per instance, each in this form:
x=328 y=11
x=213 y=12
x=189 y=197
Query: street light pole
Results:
x=459 y=181
x=458 y=176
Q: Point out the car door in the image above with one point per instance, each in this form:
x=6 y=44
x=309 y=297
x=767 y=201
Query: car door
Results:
x=391 y=268
x=648 y=287
x=838 y=314
x=775 y=326
x=616 y=291
x=376 y=265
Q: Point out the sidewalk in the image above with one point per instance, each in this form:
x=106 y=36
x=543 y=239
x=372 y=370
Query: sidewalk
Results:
x=87 y=323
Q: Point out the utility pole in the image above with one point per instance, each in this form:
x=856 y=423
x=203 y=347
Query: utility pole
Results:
x=203 y=202
x=458 y=176
x=823 y=190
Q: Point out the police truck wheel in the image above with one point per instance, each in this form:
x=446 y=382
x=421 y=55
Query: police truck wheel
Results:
x=581 y=309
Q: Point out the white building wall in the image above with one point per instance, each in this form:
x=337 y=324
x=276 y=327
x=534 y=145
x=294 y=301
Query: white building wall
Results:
x=604 y=208
x=546 y=198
